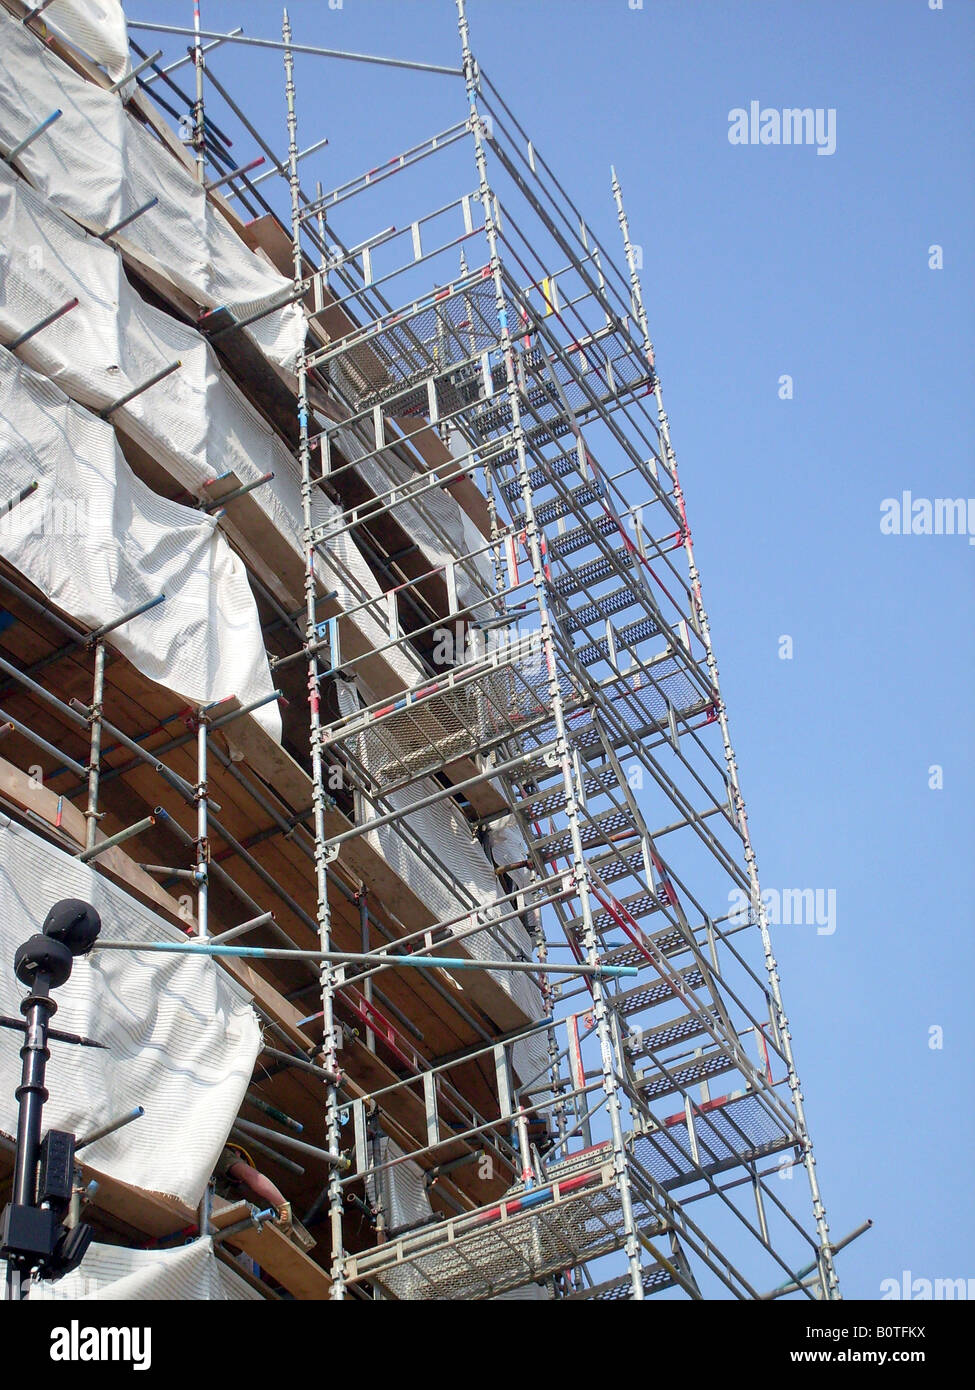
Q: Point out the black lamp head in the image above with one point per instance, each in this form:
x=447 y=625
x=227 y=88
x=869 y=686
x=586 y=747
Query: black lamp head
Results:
x=74 y=923
x=43 y=955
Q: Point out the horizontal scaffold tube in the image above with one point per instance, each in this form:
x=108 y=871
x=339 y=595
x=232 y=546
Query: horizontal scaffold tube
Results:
x=205 y=948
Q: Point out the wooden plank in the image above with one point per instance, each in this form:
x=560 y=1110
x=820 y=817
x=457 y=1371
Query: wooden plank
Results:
x=274 y=1252
x=150 y=1212
x=114 y=862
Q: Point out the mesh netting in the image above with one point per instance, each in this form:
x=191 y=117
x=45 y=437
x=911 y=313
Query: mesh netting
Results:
x=505 y=702
x=444 y=342
x=655 y=1084
x=719 y=1143
x=648 y=996
x=619 y=1290
x=389 y=366
x=481 y=1256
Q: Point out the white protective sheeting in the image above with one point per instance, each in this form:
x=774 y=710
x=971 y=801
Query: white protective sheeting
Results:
x=181 y=1036
x=97 y=27
x=529 y=1056
x=533 y=1067
x=98 y=164
x=342 y=568
x=434 y=521
x=195 y=422
x=403 y=1188
x=99 y=543
x=446 y=867
x=111 y=1273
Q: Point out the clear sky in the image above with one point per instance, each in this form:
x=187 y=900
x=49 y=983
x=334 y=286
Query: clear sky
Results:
x=759 y=262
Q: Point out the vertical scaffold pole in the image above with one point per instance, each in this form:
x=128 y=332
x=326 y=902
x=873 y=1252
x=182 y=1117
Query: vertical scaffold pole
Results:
x=362 y=899
x=332 y=1126
x=199 y=129
x=572 y=793
x=550 y=994
x=202 y=889
x=827 y=1270
x=95 y=753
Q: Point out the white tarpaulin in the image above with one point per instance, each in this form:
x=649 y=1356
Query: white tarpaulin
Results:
x=99 y=164
x=99 y=543
x=97 y=27
x=195 y=421
x=180 y=1035
x=112 y=1273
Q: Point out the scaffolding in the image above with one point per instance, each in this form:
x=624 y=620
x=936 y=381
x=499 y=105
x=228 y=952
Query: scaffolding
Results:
x=485 y=880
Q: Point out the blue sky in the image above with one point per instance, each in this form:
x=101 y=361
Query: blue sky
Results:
x=761 y=261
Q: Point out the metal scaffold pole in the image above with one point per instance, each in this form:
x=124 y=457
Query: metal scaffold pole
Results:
x=94 y=759
x=572 y=790
x=828 y=1276
x=199 y=125
x=202 y=873
x=328 y=982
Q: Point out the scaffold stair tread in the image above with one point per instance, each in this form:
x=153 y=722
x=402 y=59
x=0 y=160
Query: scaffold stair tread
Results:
x=654 y=1083
x=538 y=477
x=675 y=1030
x=729 y=1132
x=555 y=507
x=599 y=609
x=613 y=822
x=547 y=800
x=568 y=542
x=638 y=905
x=654 y=1279
x=628 y=636
x=648 y=996
x=536 y=439
x=593 y=572
x=497 y=414
x=613 y=867
x=669 y=943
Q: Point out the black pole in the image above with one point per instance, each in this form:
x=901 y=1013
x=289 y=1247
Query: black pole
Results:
x=31 y=1094
x=31 y=1234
